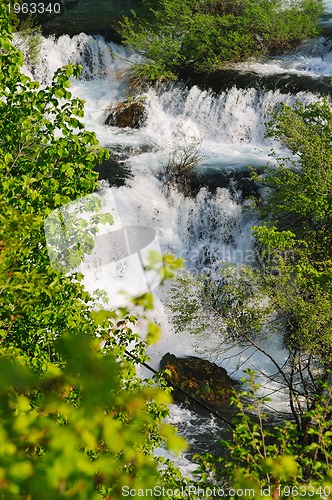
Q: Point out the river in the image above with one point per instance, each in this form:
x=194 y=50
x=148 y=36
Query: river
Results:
x=227 y=124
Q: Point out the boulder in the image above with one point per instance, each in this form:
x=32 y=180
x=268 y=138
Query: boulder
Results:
x=130 y=113
x=206 y=381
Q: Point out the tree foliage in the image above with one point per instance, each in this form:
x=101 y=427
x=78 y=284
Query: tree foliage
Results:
x=299 y=200
x=273 y=461
x=47 y=159
x=75 y=431
x=205 y=35
x=75 y=420
x=286 y=294
x=300 y=195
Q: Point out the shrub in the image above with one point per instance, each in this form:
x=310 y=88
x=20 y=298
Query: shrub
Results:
x=204 y=36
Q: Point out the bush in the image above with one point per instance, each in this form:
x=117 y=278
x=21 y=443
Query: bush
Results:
x=276 y=460
x=206 y=35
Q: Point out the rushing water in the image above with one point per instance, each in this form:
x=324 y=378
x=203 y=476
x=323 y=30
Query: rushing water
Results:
x=228 y=130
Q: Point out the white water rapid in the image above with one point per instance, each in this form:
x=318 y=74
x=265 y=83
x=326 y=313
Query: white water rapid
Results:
x=229 y=131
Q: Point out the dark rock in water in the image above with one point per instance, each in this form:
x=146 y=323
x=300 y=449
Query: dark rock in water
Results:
x=130 y=113
x=202 y=379
x=234 y=180
x=116 y=169
x=113 y=171
x=237 y=181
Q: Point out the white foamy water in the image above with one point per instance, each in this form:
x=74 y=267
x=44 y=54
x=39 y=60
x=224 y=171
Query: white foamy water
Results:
x=328 y=5
x=313 y=59
x=229 y=130
x=229 y=127
x=98 y=59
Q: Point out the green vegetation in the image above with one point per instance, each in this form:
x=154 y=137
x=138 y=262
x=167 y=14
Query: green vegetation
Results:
x=288 y=294
x=204 y=35
x=29 y=41
x=75 y=420
x=276 y=460
x=298 y=236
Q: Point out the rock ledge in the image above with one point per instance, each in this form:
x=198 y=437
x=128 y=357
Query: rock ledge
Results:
x=130 y=113
x=202 y=379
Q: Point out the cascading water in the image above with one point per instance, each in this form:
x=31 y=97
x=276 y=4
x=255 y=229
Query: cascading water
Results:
x=229 y=131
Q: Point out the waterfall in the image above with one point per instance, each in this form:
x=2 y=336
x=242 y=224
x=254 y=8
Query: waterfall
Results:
x=99 y=60
x=229 y=129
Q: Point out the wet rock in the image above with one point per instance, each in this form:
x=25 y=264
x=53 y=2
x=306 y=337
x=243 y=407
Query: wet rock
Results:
x=206 y=381
x=113 y=171
x=130 y=113
x=238 y=182
x=223 y=80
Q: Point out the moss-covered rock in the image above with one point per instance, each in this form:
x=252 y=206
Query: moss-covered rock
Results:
x=206 y=381
x=130 y=113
